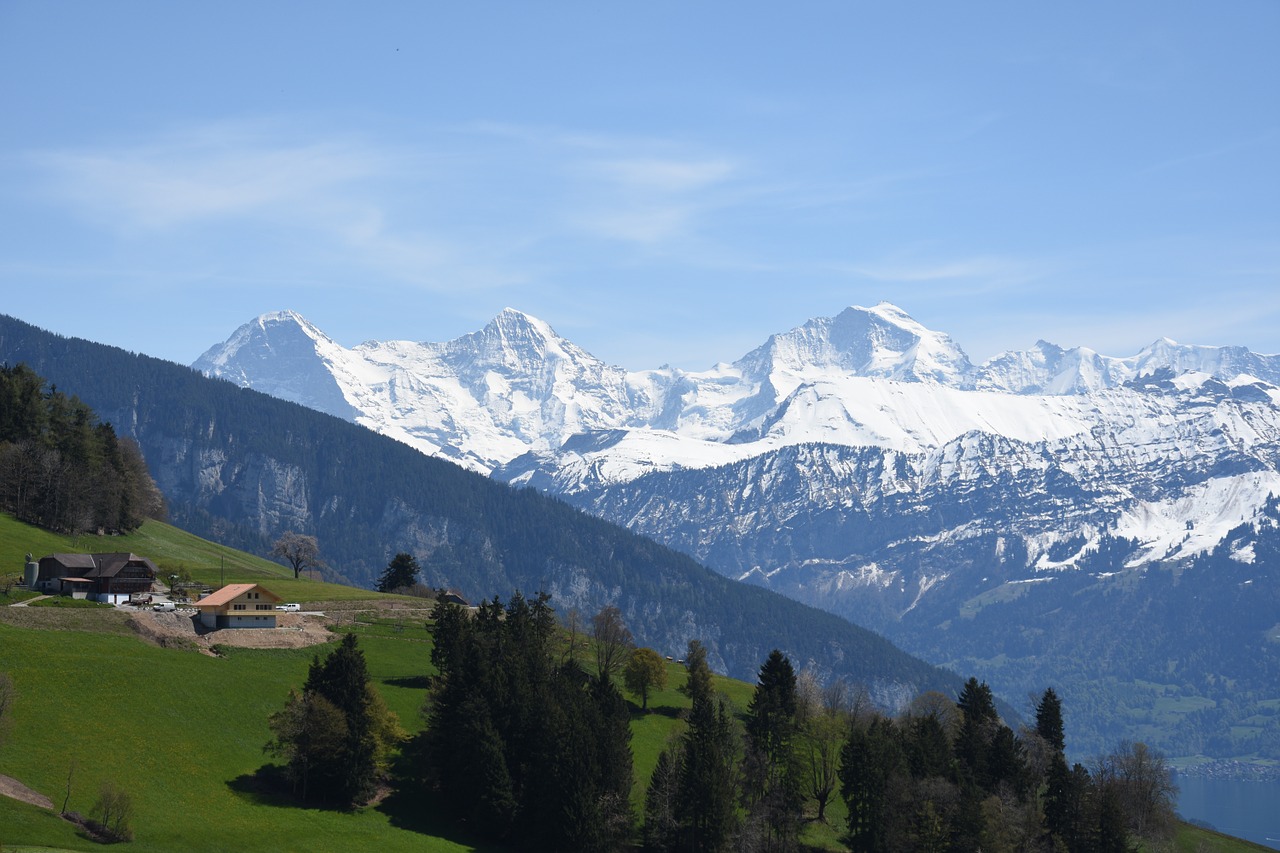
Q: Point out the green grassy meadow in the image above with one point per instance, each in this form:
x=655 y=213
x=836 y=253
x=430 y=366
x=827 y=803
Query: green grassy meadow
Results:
x=1195 y=839
x=182 y=732
x=174 y=550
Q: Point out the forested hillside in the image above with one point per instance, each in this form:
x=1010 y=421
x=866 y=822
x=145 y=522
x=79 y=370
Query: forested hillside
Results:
x=239 y=467
x=62 y=468
x=526 y=746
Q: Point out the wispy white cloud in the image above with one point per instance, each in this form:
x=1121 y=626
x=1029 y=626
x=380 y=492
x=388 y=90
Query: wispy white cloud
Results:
x=640 y=190
x=481 y=205
x=648 y=200
x=663 y=175
x=211 y=172
x=311 y=199
x=645 y=224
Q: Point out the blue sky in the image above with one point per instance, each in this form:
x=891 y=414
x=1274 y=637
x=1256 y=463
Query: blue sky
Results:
x=667 y=182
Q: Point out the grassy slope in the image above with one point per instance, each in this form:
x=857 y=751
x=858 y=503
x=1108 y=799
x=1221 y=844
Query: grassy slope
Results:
x=172 y=550
x=1194 y=839
x=195 y=725
x=176 y=729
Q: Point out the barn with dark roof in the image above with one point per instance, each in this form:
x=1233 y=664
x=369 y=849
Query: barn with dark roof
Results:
x=112 y=578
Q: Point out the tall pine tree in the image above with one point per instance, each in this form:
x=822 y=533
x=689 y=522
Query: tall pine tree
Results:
x=870 y=758
x=771 y=786
x=342 y=678
x=706 y=807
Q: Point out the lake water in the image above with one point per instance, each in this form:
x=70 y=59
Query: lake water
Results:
x=1249 y=810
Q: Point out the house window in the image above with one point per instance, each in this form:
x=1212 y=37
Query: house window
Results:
x=237 y=607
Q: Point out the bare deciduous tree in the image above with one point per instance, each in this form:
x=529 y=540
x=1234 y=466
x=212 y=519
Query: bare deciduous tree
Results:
x=301 y=551
x=114 y=810
x=1144 y=786
x=572 y=625
x=613 y=640
x=71 y=772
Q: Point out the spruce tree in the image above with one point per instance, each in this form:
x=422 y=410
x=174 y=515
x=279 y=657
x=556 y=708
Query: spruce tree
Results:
x=1109 y=832
x=870 y=758
x=771 y=714
x=1061 y=802
x=519 y=745
x=660 y=825
x=614 y=763
x=400 y=573
x=772 y=784
x=979 y=722
x=342 y=679
x=927 y=748
x=706 y=803
x=1049 y=720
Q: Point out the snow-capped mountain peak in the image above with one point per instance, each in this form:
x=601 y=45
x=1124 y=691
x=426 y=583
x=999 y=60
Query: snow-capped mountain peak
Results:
x=513 y=340
x=883 y=342
x=282 y=354
x=867 y=377
x=281 y=329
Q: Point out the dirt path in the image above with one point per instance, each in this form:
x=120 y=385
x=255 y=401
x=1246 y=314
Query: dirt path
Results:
x=15 y=790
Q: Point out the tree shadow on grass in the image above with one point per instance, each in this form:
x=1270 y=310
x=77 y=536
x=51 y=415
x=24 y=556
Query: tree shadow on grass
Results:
x=411 y=809
x=415 y=811
x=270 y=786
x=670 y=711
x=416 y=682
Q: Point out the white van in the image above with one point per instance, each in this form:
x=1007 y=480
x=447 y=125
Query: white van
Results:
x=289 y=608
x=164 y=606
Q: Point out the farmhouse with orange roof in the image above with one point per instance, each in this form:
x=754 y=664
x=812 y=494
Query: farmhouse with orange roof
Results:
x=239 y=605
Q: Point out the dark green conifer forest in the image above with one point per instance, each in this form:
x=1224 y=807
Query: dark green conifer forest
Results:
x=525 y=747
x=519 y=745
x=64 y=469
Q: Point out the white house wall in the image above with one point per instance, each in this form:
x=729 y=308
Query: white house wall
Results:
x=250 y=622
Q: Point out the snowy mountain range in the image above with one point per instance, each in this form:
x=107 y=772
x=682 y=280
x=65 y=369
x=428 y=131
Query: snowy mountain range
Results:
x=518 y=401
x=1174 y=446
x=861 y=463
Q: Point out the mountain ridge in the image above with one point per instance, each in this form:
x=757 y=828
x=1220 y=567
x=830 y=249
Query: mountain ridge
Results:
x=240 y=467
x=862 y=464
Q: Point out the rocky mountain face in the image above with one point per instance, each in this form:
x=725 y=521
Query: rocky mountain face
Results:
x=861 y=463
